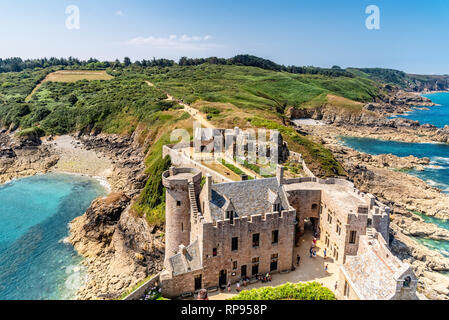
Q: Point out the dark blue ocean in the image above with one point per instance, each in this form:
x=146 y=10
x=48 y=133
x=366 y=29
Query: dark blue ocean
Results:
x=437 y=174
x=35 y=262
x=437 y=115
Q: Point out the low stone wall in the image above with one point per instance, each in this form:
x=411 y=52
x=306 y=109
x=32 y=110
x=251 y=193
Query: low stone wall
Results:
x=298 y=157
x=178 y=158
x=140 y=291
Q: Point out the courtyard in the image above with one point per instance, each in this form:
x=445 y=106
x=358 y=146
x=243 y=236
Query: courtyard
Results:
x=309 y=269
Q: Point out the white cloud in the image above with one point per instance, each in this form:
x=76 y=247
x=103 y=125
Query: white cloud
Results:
x=173 y=42
x=119 y=13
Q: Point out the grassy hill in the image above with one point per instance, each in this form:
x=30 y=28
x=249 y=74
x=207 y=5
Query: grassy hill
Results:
x=228 y=95
x=255 y=88
x=403 y=80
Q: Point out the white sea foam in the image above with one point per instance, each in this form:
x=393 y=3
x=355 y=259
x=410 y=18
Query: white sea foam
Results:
x=103 y=182
x=440 y=160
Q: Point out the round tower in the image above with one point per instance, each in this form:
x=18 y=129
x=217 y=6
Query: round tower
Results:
x=183 y=186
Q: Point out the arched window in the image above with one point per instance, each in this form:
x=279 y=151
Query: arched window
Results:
x=314 y=206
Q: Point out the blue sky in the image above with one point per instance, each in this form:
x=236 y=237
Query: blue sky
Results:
x=412 y=37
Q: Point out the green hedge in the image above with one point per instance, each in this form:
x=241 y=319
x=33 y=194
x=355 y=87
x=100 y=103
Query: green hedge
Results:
x=288 y=291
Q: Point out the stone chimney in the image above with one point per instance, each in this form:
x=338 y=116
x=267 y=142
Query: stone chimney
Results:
x=209 y=186
x=280 y=174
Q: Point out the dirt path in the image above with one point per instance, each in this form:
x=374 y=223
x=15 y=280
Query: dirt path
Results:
x=193 y=112
x=205 y=123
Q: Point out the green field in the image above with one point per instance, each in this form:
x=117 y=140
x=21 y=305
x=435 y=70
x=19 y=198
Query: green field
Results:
x=255 y=88
x=118 y=100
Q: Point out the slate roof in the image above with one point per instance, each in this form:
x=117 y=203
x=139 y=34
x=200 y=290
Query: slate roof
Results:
x=248 y=197
x=191 y=261
x=372 y=277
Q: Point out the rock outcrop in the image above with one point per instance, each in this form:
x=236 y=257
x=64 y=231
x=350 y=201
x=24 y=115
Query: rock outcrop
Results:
x=121 y=250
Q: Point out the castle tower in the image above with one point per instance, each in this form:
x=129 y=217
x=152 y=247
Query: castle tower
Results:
x=183 y=186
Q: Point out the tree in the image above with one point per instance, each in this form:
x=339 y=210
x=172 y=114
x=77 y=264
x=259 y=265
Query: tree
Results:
x=126 y=61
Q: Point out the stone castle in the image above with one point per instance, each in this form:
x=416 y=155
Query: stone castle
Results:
x=220 y=232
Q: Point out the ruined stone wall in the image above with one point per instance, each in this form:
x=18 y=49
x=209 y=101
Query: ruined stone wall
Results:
x=179 y=159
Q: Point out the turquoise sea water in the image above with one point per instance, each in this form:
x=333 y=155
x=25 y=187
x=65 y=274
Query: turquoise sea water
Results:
x=437 y=174
x=437 y=115
x=35 y=263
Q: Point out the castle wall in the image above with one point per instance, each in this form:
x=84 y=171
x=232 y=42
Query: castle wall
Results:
x=179 y=159
x=345 y=288
x=220 y=236
x=307 y=204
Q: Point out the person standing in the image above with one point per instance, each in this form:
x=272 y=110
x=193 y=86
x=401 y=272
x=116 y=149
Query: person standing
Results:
x=325 y=253
x=203 y=295
x=298 y=259
x=229 y=286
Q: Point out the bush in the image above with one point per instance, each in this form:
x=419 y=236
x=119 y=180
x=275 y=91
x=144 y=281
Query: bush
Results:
x=288 y=291
x=31 y=132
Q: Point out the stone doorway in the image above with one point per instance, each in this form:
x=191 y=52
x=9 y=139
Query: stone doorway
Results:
x=222 y=278
x=243 y=271
x=198 y=282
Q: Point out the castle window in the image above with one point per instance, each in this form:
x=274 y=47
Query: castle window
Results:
x=178 y=203
x=214 y=252
x=352 y=237
x=182 y=227
x=369 y=223
x=338 y=227
x=346 y=289
x=407 y=282
x=234 y=265
x=314 y=206
x=277 y=207
x=329 y=218
x=274 y=236
x=230 y=215
x=256 y=238
x=235 y=244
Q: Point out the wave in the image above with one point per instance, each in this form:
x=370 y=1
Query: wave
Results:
x=440 y=160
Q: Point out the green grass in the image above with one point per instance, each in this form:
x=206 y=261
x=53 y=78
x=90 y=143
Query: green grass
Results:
x=31 y=132
x=151 y=202
x=288 y=291
x=254 y=88
x=132 y=289
x=319 y=159
x=234 y=168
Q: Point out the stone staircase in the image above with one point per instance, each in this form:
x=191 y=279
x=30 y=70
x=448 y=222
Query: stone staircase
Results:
x=192 y=197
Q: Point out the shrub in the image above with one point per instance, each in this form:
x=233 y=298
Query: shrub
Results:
x=288 y=291
x=31 y=132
